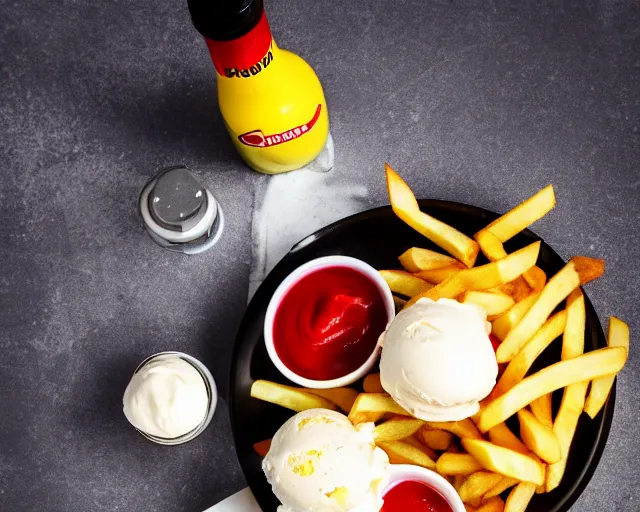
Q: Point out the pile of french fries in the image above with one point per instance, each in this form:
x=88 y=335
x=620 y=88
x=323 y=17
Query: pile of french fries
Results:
x=492 y=468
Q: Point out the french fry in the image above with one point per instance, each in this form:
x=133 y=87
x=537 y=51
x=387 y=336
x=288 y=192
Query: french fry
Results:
x=484 y=277
x=574 y=395
x=400 y=452
x=504 y=461
x=539 y=438
x=373 y=406
x=492 y=248
x=342 y=397
x=457 y=464
x=437 y=275
x=542 y=409
x=588 y=268
x=501 y=435
x=535 y=278
x=618 y=336
x=520 y=497
x=520 y=364
x=463 y=428
x=556 y=290
x=406 y=207
x=262 y=447
x=371 y=384
x=501 y=326
x=523 y=215
x=404 y=283
x=506 y=483
x=458 y=480
x=399 y=303
x=416 y=259
x=605 y=361
x=565 y=428
x=494 y=504
x=469 y=508
x=292 y=398
x=435 y=439
x=416 y=443
x=493 y=304
x=396 y=429
x=476 y=485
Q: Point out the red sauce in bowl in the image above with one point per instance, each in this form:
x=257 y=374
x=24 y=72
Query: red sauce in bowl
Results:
x=328 y=323
x=412 y=496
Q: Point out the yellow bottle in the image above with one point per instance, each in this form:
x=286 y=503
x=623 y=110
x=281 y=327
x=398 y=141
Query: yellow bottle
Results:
x=271 y=100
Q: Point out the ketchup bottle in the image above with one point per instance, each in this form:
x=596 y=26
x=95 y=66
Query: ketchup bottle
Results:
x=271 y=100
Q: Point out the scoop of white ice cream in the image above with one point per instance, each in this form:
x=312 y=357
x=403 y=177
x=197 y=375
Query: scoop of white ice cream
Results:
x=167 y=397
x=437 y=360
x=318 y=461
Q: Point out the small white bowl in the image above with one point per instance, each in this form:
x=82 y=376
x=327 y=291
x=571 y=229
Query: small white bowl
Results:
x=399 y=473
x=212 y=396
x=295 y=276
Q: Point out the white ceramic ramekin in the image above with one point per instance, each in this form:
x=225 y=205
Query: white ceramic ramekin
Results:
x=399 y=473
x=295 y=276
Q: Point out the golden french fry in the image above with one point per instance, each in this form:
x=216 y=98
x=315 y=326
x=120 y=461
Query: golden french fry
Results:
x=476 y=485
x=458 y=480
x=501 y=435
x=416 y=259
x=404 y=283
x=588 y=268
x=494 y=504
x=502 y=325
x=342 y=397
x=523 y=215
x=406 y=207
x=605 y=361
x=484 y=277
x=396 y=429
x=463 y=428
x=574 y=395
x=556 y=290
x=504 y=461
x=535 y=278
x=506 y=483
x=371 y=384
x=292 y=398
x=416 y=443
x=492 y=248
x=493 y=303
x=565 y=428
x=437 y=275
x=520 y=364
x=457 y=464
x=435 y=439
x=373 y=406
x=520 y=497
x=600 y=388
x=542 y=409
x=469 y=508
x=400 y=452
x=539 y=438
x=262 y=447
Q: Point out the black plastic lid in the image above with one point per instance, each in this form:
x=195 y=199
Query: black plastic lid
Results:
x=224 y=20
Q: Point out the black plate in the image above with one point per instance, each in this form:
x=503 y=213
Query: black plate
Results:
x=379 y=237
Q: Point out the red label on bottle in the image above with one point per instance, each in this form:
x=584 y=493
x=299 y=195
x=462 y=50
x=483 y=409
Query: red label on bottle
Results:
x=245 y=56
x=257 y=139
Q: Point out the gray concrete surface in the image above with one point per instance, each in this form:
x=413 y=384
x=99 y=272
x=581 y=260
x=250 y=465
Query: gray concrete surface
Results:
x=479 y=102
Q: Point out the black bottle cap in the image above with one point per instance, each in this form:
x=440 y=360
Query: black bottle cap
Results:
x=224 y=20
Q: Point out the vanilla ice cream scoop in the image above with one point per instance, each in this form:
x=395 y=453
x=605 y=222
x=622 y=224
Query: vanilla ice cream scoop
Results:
x=437 y=360
x=166 y=397
x=318 y=461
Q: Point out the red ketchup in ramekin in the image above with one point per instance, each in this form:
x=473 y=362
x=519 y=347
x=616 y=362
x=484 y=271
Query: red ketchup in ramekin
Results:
x=412 y=496
x=324 y=321
x=328 y=323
